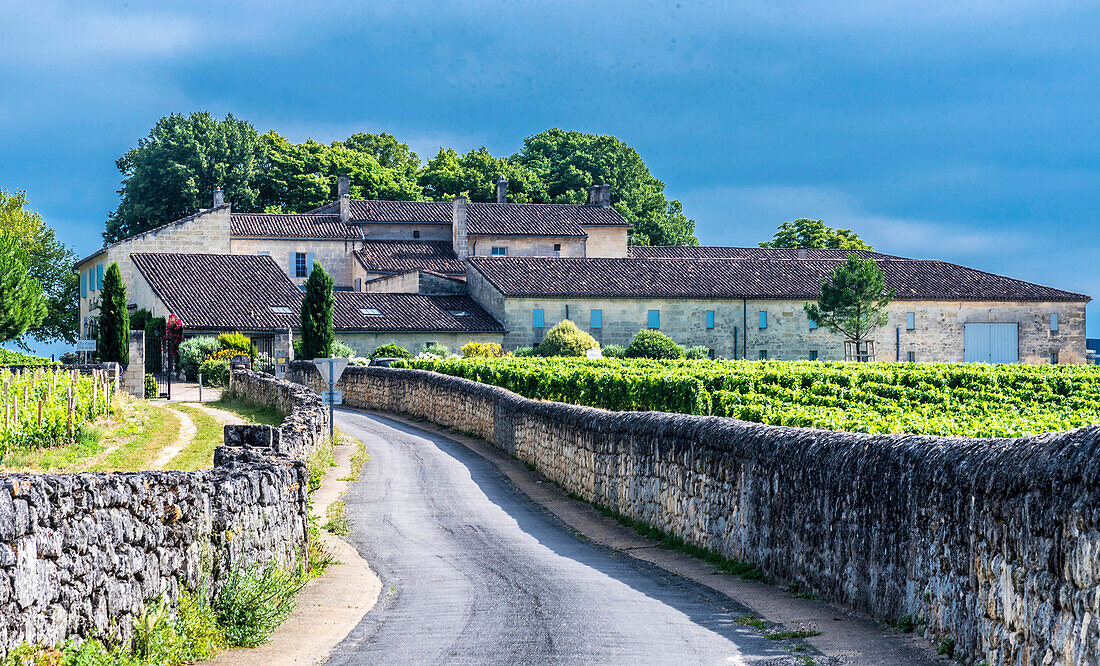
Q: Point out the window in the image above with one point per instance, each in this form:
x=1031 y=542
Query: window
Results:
x=1054 y=322
x=910 y=357
x=557 y=247
x=1054 y=358
x=281 y=309
x=500 y=251
x=595 y=319
x=813 y=354
x=99 y=277
x=358 y=284
x=416 y=233
x=458 y=313
x=910 y=321
x=83 y=286
x=538 y=317
x=763 y=354
x=654 y=319
x=301 y=268
x=710 y=318
x=763 y=319
x=370 y=312
x=711 y=355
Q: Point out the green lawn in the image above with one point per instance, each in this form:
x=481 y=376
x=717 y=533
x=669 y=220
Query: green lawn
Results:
x=262 y=415
x=199 y=454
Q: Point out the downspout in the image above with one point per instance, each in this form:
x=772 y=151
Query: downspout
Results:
x=897 y=343
x=745 y=325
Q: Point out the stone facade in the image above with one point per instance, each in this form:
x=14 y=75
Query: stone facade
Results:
x=991 y=543
x=405 y=232
x=364 y=343
x=528 y=246
x=334 y=255
x=80 y=554
x=606 y=242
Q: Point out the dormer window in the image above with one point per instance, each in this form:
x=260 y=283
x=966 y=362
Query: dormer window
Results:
x=370 y=312
x=416 y=234
x=458 y=313
x=281 y=309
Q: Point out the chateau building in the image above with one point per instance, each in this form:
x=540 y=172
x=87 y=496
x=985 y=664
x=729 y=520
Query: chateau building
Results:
x=415 y=272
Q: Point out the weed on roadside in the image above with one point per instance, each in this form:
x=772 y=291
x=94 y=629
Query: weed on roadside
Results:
x=336 y=518
x=803 y=631
x=254 y=601
x=359 y=458
x=750 y=621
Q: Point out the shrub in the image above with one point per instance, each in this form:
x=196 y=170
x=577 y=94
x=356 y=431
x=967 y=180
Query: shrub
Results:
x=523 y=352
x=140 y=319
x=340 y=350
x=436 y=349
x=69 y=358
x=194 y=351
x=614 y=351
x=215 y=372
x=196 y=620
x=565 y=339
x=390 y=350
x=697 y=353
x=654 y=344
x=238 y=342
x=151 y=390
x=482 y=349
x=253 y=602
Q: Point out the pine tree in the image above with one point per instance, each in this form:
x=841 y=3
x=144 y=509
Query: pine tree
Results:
x=853 y=300
x=22 y=303
x=317 y=314
x=114 y=319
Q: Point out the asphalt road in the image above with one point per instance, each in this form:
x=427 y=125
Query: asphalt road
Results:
x=473 y=571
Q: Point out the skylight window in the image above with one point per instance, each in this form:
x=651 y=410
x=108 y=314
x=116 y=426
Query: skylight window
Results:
x=281 y=309
x=370 y=312
x=459 y=313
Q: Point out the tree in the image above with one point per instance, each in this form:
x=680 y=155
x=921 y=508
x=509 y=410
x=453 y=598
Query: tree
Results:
x=475 y=175
x=22 y=303
x=388 y=151
x=49 y=262
x=173 y=172
x=814 y=234
x=853 y=300
x=568 y=162
x=317 y=314
x=114 y=319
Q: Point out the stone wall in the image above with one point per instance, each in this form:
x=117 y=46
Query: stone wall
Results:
x=992 y=543
x=336 y=255
x=80 y=554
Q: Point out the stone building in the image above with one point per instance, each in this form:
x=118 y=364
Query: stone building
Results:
x=415 y=272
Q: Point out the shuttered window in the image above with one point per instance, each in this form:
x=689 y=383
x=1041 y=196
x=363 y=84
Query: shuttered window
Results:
x=83 y=285
x=1054 y=322
x=654 y=318
x=596 y=319
x=710 y=318
x=298 y=261
x=910 y=321
x=99 y=276
x=538 y=317
x=763 y=319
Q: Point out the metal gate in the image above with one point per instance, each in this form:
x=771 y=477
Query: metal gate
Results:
x=991 y=343
x=158 y=363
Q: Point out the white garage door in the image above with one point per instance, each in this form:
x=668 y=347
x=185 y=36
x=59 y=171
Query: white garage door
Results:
x=991 y=343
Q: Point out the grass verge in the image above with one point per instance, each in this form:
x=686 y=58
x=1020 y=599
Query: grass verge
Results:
x=199 y=454
x=264 y=415
x=336 y=518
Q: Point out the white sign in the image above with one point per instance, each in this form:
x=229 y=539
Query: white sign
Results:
x=330 y=369
x=593 y=353
x=85 y=345
x=332 y=397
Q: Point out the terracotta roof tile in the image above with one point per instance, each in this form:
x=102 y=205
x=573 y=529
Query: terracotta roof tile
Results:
x=265 y=225
x=411 y=312
x=401 y=256
x=723 y=252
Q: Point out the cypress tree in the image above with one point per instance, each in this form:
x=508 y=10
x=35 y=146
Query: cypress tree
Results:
x=114 y=319
x=317 y=314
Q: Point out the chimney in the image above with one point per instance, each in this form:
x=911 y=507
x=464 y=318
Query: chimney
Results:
x=599 y=195
x=459 y=239
x=801 y=253
x=502 y=190
x=342 y=187
x=219 y=197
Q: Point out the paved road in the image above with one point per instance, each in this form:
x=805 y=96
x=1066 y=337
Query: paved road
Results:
x=474 y=572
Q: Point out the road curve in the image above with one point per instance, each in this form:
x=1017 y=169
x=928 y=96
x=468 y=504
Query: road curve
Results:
x=473 y=571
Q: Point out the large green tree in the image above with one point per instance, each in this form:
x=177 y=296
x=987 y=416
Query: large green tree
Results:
x=22 y=303
x=475 y=175
x=49 y=263
x=114 y=319
x=317 y=306
x=808 y=233
x=853 y=300
x=173 y=171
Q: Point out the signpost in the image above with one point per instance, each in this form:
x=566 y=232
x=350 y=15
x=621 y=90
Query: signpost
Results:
x=85 y=345
x=331 y=369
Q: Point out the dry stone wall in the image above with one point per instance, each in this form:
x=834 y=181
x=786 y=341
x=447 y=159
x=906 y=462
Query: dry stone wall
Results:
x=80 y=554
x=992 y=543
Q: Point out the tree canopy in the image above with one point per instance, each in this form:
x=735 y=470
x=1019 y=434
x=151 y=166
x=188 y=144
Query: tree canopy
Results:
x=853 y=299
x=173 y=171
x=49 y=263
x=806 y=233
x=22 y=303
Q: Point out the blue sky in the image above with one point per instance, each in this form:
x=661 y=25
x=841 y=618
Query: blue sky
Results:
x=967 y=132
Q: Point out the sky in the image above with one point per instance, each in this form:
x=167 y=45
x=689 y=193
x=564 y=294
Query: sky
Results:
x=962 y=131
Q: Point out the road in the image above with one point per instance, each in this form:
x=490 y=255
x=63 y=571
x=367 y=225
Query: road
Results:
x=473 y=571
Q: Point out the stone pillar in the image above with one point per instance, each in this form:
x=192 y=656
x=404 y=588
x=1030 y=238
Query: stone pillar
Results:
x=459 y=239
x=283 y=351
x=133 y=376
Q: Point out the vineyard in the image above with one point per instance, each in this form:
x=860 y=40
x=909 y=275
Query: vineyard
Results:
x=973 y=400
x=48 y=407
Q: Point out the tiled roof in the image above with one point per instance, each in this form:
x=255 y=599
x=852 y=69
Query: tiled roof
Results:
x=398 y=256
x=222 y=291
x=411 y=312
x=266 y=225
x=735 y=278
x=723 y=252
x=486 y=219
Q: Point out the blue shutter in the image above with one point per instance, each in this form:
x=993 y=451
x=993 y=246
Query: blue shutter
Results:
x=910 y=321
x=763 y=319
x=710 y=318
x=309 y=263
x=596 y=319
x=99 y=277
x=654 y=318
x=813 y=327
x=1054 y=321
x=83 y=286
x=293 y=272
x=538 y=318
